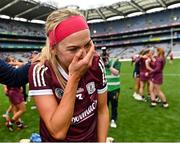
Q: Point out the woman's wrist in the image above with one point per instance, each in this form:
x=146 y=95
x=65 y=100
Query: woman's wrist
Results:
x=74 y=77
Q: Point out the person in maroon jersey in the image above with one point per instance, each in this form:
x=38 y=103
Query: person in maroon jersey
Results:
x=69 y=85
x=171 y=57
x=156 y=79
x=136 y=74
x=17 y=102
x=144 y=77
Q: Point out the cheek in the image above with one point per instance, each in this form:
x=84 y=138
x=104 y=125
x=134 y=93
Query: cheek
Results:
x=66 y=59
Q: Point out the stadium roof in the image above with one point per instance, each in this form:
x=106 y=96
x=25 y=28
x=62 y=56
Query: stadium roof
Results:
x=32 y=10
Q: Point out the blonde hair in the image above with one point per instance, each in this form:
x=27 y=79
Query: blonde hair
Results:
x=47 y=53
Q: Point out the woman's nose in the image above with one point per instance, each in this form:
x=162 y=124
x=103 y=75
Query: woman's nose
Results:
x=84 y=51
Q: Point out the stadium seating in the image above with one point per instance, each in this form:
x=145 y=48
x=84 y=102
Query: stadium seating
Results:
x=121 y=36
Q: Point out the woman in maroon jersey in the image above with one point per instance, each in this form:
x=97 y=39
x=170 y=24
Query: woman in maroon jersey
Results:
x=17 y=102
x=68 y=84
x=144 y=77
x=157 y=78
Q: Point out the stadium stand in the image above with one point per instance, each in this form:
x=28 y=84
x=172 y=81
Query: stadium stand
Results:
x=153 y=29
x=124 y=37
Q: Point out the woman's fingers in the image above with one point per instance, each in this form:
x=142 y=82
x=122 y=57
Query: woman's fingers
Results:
x=90 y=54
x=77 y=56
x=81 y=61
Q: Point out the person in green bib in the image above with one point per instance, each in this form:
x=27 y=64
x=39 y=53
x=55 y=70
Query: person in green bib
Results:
x=112 y=66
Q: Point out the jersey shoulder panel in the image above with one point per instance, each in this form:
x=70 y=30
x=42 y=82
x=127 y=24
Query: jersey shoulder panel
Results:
x=40 y=78
x=98 y=71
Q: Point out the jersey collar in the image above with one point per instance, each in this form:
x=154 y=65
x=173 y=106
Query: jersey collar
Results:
x=62 y=71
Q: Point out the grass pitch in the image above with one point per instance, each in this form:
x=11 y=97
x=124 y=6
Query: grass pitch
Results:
x=137 y=121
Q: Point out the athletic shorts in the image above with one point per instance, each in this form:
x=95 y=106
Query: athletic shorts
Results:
x=143 y=77
x=16 y=97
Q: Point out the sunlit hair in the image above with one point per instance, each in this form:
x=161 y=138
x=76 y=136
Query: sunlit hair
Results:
x=146 y=51
x=160 y=52
x=141 y=52
x=47 y=52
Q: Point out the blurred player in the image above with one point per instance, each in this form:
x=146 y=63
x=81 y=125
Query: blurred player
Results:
x=112 y=66
x=17 y=102
x=157 y=78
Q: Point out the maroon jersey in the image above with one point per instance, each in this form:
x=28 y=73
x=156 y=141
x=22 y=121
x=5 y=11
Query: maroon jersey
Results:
x=15 y=95
x=157 y=73
x=143 y=69
x=83 y=126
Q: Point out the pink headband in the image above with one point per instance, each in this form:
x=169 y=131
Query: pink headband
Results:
x=67 y=27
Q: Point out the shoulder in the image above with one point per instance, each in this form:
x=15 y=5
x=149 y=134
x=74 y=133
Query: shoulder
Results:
x=38 y=68
x=117 y=61
x=147 y=59
x=97 y=62
x=96 y=59
x=97 y=68
x=159 y=59
x=39 y=73
x=97 y=74
x=40 y=80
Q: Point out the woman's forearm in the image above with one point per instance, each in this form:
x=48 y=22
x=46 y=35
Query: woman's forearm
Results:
x=61 y=119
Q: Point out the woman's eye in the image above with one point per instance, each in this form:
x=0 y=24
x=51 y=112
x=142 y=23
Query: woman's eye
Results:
x=88 y=45
x=73 y=49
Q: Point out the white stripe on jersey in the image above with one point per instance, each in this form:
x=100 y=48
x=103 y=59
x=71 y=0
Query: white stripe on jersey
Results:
x=114 y=83
x=100 y=91
x=38 y=75
x=40 y=92
x=42 y=76
x=34 y=75
x=112 y=76
x=101 y=65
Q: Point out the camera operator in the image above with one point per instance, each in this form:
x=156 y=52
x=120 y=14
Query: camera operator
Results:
x=105 y=56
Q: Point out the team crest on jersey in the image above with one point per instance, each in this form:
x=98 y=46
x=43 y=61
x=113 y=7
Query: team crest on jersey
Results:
x=90 y=87
x=59 y=92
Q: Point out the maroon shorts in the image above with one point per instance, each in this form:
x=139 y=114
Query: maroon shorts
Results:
x=15 y=96
x=143 y=77
x=157 y=79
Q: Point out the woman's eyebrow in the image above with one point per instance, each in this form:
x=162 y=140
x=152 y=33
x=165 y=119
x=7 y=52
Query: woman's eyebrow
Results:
x=75 y=46
x=88 y=42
